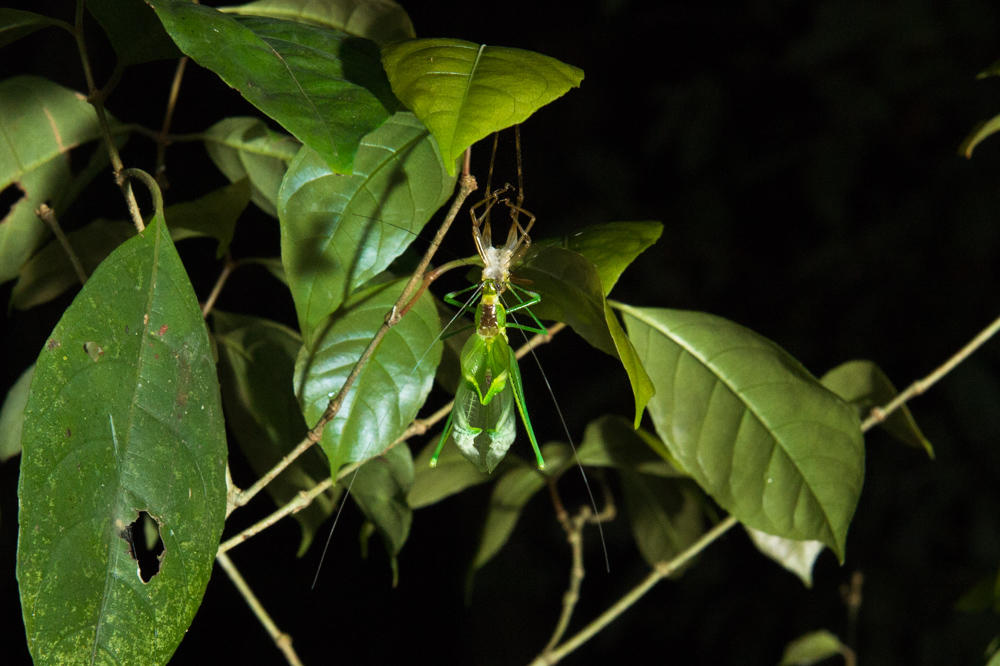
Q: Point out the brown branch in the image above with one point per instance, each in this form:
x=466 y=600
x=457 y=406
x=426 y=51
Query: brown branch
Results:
x=48 y=216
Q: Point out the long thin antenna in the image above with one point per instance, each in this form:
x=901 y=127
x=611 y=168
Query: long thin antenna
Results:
x=336 y=518
x=465 y=307
x=569 y=438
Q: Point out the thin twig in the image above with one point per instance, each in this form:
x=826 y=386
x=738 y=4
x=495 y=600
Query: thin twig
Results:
x=467 y=186
x=574 y=535
x=168 y=117
x=282 y=640
x=48 y=216
x=880 y=414
x=220 y=282
x=659 y=572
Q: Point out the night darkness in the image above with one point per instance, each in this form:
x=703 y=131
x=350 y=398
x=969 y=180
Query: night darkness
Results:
x=803 y=160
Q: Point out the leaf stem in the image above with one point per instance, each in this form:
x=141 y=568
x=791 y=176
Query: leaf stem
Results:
x=282 y=640
x=48 y=216
x=168 y=117
x=660 y=571
x=880 y=414
x=227 y=268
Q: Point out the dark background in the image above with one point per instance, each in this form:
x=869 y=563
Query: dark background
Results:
x=802 y=157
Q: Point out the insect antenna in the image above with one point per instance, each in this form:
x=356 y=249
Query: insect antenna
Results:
x=569 y=438
x=336 y=518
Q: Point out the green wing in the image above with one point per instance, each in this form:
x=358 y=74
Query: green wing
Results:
x=483 y=433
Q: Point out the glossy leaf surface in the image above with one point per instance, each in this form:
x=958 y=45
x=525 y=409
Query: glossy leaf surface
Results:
x=338 y=232
x=758 y=433
x=864 y=385
x=381 y=21
x=464 y=91
x=243 y=147
x=124 y=416
x=610 y=247
x=256 y=368
x=324 y=86
x=40 y=122
x=391 y=387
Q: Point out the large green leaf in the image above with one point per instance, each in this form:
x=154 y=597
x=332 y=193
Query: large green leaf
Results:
x=134 y=31
x=572 y=292
x=864 y=385
x=393 y=384
x=338 y=232
x=464 y=91
x=17 y=23
x=380 y=489
x=123 y=416
x=12 y=415
x=49 y=272
x=611 y=441
x=758 y=432
x=256 y=368
x=381 y=21
x=666 y=515
x=40 y=122
x=244 y=147
x=610 y=247
x=324 y=86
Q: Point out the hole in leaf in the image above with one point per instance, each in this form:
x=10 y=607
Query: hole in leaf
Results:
x=145 y=545
x=8 y=197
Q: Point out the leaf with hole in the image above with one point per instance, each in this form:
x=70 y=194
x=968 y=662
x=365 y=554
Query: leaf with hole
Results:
x=244 y=147
x=40 y=123
x=864 y=385
x=338 y=232
x=324 y=86
x=123 y=416
x=755 y=430
x=381 y=21
x=464 y=91
x=256 y=368
x=391 y=386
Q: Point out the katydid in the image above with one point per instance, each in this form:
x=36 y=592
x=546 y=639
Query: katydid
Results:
x=482 y=420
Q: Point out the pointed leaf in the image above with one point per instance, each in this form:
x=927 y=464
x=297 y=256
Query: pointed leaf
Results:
x=381 y=21
x=453 y=474
x=213 y=215
x=134 y=31
x=611 y=441
x=123 y=417
x=812 y=648
x=243 y=147
x=610 y=247
x=40 y=122
x=391 y=387
x=979 y=133
x=799 y=557
x=338 y=232
x=324 y=86
x=256 y=367
x=12 y=415
x=864 y=385
x=380 y=490
x=464 y=91
x=16 y=23
x=666 y=515
x=751 y=425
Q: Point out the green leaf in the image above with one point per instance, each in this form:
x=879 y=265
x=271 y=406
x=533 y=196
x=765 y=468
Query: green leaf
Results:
x=665 y=514
x=751 y=425
x=123 y=416
x=611 y=247
x=453 y=474
x=134 y=31
x=464 y=91
x=213 y=215
x=380 y=489
x=16 y=23
x=244 y=147
x=12 y=415
x=338 y=232
x=392 y=385
x=324 y=86
x=572 y=292
x=799 y=557
x=979 y=133
x=864 y=385
x=382 y=21
x=40 y=122
x=256 y=368
x=611 y=441
x=812 y=648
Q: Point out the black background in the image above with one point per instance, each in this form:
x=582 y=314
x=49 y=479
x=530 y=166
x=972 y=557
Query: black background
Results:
x=802 y=157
